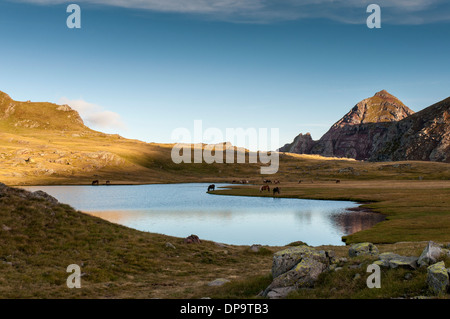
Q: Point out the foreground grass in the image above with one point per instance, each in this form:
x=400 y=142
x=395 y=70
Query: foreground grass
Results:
x=38 y=240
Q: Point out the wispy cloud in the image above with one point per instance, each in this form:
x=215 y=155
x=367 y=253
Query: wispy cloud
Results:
x=95 y=115
x=266 y=11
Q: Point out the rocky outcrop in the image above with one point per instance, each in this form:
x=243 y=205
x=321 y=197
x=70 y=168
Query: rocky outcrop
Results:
x=382 y=128
x=302 y=144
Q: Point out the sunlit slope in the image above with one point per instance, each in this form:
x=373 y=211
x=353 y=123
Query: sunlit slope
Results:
x=45 y=143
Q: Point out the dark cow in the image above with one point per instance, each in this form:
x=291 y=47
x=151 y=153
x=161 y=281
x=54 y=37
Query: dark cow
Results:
x=338 y=181
x=211 y=187
x=108 y=183
x=264 y=188
x=96 y=182
x=276 y=190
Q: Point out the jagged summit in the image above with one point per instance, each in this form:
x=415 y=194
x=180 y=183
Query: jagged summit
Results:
x=382 y=107
x=382 y=128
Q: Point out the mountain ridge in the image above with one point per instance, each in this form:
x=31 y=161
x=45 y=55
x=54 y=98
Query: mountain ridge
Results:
x=392 y=133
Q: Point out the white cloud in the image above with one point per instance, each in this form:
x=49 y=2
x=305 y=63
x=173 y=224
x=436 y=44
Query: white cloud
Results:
x=266 y=11
x=95 y=115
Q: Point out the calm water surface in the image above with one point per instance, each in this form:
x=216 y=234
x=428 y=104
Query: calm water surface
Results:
x=184 y=209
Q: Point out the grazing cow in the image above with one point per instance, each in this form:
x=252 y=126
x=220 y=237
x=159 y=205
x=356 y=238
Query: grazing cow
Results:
x=276 y=181
x=300 y=181
x=276 y=190
x=267 y=181
x=96 y=182
x=108 y=183
x=211 y=187
x=264 y=188
x=338 y=181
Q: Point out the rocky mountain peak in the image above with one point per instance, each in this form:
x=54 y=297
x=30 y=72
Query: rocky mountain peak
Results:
x=382 y=107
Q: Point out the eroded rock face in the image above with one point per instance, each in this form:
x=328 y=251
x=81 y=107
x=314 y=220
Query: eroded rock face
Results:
x=382 y=128
x=437 y=278
x=302 y=144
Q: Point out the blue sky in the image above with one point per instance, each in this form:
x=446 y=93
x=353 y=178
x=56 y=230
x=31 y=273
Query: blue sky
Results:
x=144 y=68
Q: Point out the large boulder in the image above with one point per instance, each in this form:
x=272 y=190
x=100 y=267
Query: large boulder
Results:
x=363 y=249
x=297 y=267
x=391 y=260
x=303 y=275
x=286 y=259
x=430 y=254
x=437 y=278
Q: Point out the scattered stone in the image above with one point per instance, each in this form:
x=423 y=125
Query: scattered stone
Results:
x=357 y=277
x=278 y=293
x=221 y=245
x=6 y=228
x=193 y=239
x=391 y=260
x=430 y=254
x=218 y=282
x=255 y=248
x=408 y=276
x=338 y=268
x=363 y=249
x=437 y=278
x=170 y=245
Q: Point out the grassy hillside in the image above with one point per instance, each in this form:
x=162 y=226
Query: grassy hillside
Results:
x=40 y=238
x=45 y=143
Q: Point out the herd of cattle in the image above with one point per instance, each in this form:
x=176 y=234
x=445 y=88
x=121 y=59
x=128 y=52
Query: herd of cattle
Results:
x=265 y=187
x=212 y=187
